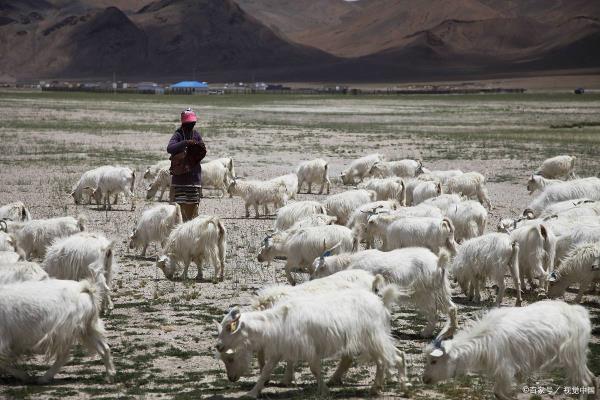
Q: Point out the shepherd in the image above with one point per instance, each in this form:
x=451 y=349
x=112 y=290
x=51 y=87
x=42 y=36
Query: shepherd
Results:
x=187 y=150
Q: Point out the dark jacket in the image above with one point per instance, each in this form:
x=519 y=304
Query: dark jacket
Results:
x=177 y=145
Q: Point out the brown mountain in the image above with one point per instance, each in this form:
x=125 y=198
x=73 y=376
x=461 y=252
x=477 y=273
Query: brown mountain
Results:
x=216 y=35
x=442 y=38
x=166 y=39
x=291 y=40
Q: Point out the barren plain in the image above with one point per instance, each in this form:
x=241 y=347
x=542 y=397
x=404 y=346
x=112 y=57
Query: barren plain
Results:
x=161 y=332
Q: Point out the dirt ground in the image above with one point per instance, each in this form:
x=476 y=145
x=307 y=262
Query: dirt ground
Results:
x=161 y=332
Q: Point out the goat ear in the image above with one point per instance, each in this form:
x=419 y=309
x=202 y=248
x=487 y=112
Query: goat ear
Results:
x=235 y=326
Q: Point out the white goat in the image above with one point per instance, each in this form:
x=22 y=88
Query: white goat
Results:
x=343 y=279
x=378 y=223
x=571 y=209
x=203 y=237
x=227 y=163
x=341 y=205
x=538 y=182
x=116 y=180
x=162 y=182
x=21 y=271
x=433 y=233
x=348 y=323
x=469 y=219
x=216 y=175
x=415 y=268
x=35 y=235
x=566 y=206
x=360 y=168
x=154 y=225
x=360 y=217
x=313 y=171
x=514 y=342
x=87 y=185
x=400 y=168
x=445 y=175
x=314 y=220
x=291 y=213
x=386 y=189
x=487 y=257
x=557 y=167
x=48 y=317
x=471 y=185
x=257 y=193
x=426 y=181
x=444 y=201
x=582 y=266
x=15 y=212
x=290 y=181
x=84 y=256
x=426 y=190
x=573 y=236
x=588 y=188
x=537 y=248
x=302 y=246
x=153 y=170
x=267 y=298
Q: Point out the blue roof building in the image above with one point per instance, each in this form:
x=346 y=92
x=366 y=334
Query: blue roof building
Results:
x=189 y=87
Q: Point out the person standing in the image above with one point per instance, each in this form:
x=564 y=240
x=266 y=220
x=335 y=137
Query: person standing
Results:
x=187 y=150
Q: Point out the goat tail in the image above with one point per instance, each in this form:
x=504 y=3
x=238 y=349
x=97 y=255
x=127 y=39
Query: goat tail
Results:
x=132 y=181
x=392 y=294
x=355 y=242
x=443 y=259
x=81 y=222
x=178 y=216
x=514 y=258
x=378 y=283
x=25 y=216
x=222 y=243
x=108 y=261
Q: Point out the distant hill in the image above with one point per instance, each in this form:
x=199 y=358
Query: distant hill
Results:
x=166 y=38
x=291 y=40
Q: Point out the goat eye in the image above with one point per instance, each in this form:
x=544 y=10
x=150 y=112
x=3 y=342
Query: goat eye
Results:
x=433 y=362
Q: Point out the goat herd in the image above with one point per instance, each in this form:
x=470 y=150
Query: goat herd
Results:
x=422 y=230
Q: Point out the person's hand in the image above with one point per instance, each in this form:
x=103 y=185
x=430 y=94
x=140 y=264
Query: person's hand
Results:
x=191 y=142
